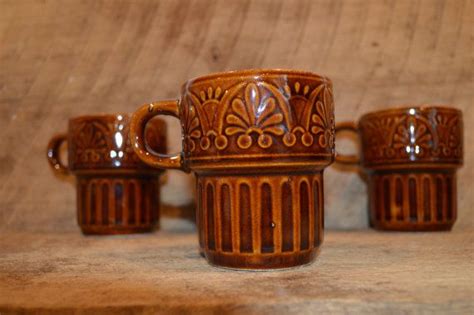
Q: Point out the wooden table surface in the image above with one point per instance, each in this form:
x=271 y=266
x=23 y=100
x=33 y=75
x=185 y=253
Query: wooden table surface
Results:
x=356 y=272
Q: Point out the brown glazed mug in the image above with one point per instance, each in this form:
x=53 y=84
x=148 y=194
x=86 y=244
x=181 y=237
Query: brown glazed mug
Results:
x=257 y=141
x=116 y=192
x=411 y=155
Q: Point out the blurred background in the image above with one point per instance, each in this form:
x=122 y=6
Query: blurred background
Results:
x=60 y=59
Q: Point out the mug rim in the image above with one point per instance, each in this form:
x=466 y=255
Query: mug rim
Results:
x=405 y=108
x=255 y=72
x=100 y=116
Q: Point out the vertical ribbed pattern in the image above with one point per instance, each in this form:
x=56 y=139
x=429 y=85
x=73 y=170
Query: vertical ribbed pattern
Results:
x=112 y=204
x=287 y=217
x=412 y=200
x=132 y=203
x=200 y=215
x=304 y=216
x=260 y=215
x=266 y=221
x=318 y=219
x=211 y=239
x=246 y=244
x=226 y=219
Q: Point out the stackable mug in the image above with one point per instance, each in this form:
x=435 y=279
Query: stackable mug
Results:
x=258 y=142
x=411 y=155
x=116 y=192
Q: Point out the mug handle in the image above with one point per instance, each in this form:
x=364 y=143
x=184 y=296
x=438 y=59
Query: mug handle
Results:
x=137 y=128
x=347 y=159
x=52 y=154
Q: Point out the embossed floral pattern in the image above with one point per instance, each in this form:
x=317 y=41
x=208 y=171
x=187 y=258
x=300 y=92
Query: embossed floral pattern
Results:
x=301 y=102
x=414 y=135
x=91 y=141
x=193 y=133
x=103 y=142
x=254 y=116
x=381 y=131
x=207 y=105
x=258 y=114
x=324 y=120
x=412 y=138
x=448 y=127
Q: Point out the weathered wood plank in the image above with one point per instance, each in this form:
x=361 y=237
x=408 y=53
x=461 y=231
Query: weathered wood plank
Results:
x=59 y=60
x=356 y=272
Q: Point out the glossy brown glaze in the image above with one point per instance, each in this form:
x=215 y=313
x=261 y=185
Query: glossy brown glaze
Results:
x=265 y=221
x=258 y=142
x=411 y=155
x=116 y=192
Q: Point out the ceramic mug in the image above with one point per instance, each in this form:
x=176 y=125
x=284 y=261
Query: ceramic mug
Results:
x=411 y=155
x=116 y=192
x=258 y=142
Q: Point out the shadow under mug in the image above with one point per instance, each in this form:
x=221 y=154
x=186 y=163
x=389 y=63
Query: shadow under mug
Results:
x=257 y=141
x=411 y=156
x=116 y=192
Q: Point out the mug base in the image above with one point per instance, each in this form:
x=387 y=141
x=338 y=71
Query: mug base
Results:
x=261 y=262
x=113 y=230
x=416 y=227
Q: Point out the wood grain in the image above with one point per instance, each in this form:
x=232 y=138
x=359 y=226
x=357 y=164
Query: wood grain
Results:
x=162 y=273
x=59 y=60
